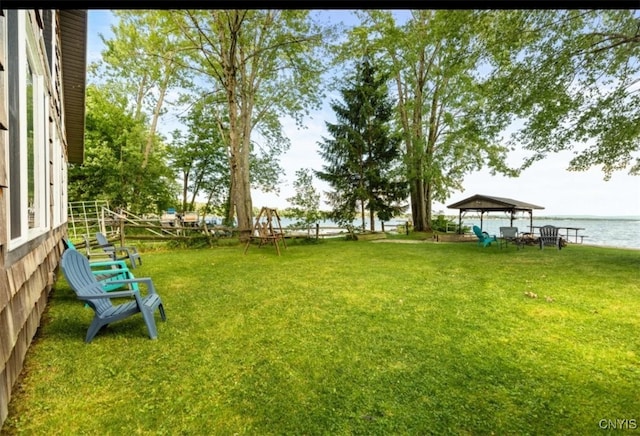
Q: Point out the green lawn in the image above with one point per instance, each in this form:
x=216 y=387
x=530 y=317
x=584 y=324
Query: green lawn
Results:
x=343 y=338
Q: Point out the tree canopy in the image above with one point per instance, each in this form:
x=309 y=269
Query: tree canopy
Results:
x=442 y=114
x=470 y=86
x=114 y=140
x=571 y=80
x=547 y=80
x=262 y=64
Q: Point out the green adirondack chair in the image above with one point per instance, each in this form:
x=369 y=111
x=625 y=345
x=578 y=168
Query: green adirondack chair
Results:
x=108 y=270
x=77 y=272
x=484 y=238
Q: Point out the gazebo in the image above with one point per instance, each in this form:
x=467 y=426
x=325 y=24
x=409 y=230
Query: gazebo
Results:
x=487 y=203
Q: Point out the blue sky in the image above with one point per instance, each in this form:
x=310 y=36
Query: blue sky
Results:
x=547 y=183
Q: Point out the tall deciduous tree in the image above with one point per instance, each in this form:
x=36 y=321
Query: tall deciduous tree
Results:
x=265 y=64
x=446 y=127
x=363 y=155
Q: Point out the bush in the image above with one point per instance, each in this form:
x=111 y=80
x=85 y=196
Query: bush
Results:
x=447 y=225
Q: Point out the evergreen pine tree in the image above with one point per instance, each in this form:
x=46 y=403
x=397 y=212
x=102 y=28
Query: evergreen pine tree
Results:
x=363 y=156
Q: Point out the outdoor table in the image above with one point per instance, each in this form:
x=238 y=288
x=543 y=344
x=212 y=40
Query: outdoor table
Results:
x=566 y=234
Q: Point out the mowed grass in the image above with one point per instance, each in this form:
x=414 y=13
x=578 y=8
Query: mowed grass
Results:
x=342 y=338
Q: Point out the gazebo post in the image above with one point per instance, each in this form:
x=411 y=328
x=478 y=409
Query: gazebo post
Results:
x=530 y=221
x=459 y=221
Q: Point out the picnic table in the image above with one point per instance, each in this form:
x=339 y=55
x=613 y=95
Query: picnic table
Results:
x=565 y=232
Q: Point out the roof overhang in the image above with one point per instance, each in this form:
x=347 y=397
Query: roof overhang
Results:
x=73 y=35
x=488 y=203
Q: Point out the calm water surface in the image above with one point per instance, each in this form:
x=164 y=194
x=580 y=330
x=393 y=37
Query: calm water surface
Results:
x=603 y=231
x=613 y=232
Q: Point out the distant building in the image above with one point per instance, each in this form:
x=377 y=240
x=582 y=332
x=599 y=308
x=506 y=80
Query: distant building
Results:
x=42 y=110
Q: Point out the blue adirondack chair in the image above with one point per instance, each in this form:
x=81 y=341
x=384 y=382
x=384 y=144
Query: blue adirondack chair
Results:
x=107 y=271
x=77 y=272
x=129 y=252
x=484 y=238
x=93 y=255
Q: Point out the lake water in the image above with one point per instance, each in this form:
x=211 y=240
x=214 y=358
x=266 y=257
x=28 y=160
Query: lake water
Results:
x=613 y=232
x=603 y=231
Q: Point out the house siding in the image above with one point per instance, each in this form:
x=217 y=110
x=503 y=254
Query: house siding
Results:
x=28 y=270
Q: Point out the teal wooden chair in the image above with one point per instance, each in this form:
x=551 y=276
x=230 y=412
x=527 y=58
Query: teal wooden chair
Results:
x=484 y=238
x=107 y=271
x=128 y=252
x=77 y=272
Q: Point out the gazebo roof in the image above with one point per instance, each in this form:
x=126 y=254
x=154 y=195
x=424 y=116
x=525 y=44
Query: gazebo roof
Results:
x=489 y=203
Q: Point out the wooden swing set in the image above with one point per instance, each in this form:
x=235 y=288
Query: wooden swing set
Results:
x=267 y=230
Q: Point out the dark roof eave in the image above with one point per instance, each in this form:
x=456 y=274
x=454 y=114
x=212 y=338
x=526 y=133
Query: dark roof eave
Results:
x=73 y=35
x=492 y=204
x=497 y=209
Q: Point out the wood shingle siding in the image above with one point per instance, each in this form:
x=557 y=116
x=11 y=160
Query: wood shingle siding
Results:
x=31 y=249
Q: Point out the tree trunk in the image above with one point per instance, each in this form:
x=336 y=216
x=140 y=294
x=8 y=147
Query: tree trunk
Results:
x=185 y=189
x=154 y=122
x=372 y=224
x=418 y=195
x=428 y=200
x=229 y=210
x=239 y=128
x=419 y=206
x=240 y=177
x=244 y=207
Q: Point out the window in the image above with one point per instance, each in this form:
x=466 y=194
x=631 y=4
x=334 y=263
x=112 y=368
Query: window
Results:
x=32 y=106
x=28 y=126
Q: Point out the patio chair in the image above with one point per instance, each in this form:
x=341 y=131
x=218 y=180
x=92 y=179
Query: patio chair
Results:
x=484 y=238
x=77 y=272
x=94 y=254
x=129 y=252
x=549 y=235
x=107 y=271
x=510 y=234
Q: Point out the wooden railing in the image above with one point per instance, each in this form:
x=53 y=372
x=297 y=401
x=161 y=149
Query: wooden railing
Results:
x=123 y=230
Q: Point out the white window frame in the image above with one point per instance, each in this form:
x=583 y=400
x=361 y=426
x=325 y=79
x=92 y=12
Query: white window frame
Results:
x=64 y=198
x=28 y=46
x=56 y=197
